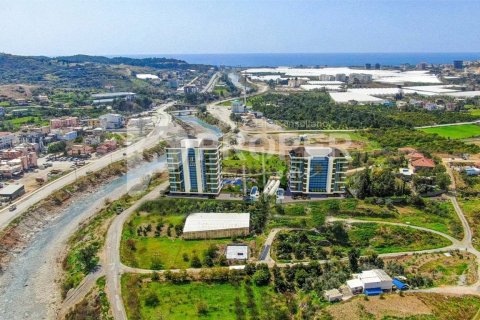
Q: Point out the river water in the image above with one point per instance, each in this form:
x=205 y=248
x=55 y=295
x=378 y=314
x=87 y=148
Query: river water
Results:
x=26 y=289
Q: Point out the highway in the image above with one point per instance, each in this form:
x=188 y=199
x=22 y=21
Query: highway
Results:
x=6 y=216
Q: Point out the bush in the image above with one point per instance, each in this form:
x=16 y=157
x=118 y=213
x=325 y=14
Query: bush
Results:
x=152 y=300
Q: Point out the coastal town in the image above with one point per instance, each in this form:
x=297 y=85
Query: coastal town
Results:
x=247 y=160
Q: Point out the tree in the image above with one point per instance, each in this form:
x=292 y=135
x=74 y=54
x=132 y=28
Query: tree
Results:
x=195 y=263
x=363 y=185
x=88 y=257
x=353 y=256
x=261 y=277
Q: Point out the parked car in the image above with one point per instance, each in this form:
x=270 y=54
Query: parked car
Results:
x=12 y=208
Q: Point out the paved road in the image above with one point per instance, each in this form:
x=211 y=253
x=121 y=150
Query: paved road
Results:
x=113 y=267
x=447 y=124
x=211 y=84
x=32 y=198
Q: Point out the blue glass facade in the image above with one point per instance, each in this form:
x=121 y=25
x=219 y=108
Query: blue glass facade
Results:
x=318 y=175
x=192 y=168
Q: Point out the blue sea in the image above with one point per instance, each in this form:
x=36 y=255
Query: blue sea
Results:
x=318 y=59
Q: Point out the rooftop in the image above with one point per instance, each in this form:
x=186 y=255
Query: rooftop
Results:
x=209 y=221
x=199 y=143
x=316 y=152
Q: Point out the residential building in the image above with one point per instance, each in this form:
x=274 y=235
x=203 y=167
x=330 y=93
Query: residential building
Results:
x=107 y=146
x=80 y=150
x=112 y=121
x=7 y=140
x=63 y=122
x=190 y=89
x=195 y=167
x=316 y=170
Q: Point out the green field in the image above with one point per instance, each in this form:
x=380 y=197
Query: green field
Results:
x=253 y=162
x=463 y=131
x=436 y=215
x=197 y=300
x=309 y=245
x=166 y=253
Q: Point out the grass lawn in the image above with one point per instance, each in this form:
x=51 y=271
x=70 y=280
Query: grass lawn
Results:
x=166 y=251
x=475 y=112
x=184 y=301
x=440 y=216
x=254 y=162
x=463 y=131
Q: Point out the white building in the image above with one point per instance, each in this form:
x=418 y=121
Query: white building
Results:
x=370 y=282
x=333 y=295
x=112 y=121
x=237 y=252
x=195 y=167
x=208 y=225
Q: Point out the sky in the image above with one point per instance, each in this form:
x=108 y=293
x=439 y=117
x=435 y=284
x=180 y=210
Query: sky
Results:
x=114 y=27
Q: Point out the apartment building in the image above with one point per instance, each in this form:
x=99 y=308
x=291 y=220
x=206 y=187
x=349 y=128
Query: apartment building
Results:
x=317 y=170
x=195 y=167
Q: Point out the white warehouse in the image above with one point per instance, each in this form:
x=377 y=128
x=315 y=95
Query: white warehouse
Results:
x=208 y=225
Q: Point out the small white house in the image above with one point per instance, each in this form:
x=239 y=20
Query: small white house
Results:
x=237 y=252
x=333 y=295
x=370 y=282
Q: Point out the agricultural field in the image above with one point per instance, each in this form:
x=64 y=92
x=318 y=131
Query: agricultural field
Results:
x=453 y=268
x=154 y=242
x=337 y=240
x=412 y=306
x=463 y=131
x=436 y=215
x=198 y=300
x=151 y=238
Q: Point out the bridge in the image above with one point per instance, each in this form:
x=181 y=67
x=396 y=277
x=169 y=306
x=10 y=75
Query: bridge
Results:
x=183 y=110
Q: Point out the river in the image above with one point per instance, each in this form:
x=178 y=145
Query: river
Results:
x=27 y=288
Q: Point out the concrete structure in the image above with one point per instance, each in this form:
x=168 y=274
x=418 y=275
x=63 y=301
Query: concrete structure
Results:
x=216 y=225
x=190 y=89
x=63 y=122
x=238 y=106
x=195 y=167
x=111 y=121
x=317 y=171
x=370 y=282
x=237 y=252
x=333 y=295
x=107 y=146
x=12 y=191
x=7 y=140
x=80 y=150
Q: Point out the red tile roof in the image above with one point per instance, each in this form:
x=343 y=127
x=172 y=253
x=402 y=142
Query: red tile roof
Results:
x=424 y=163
